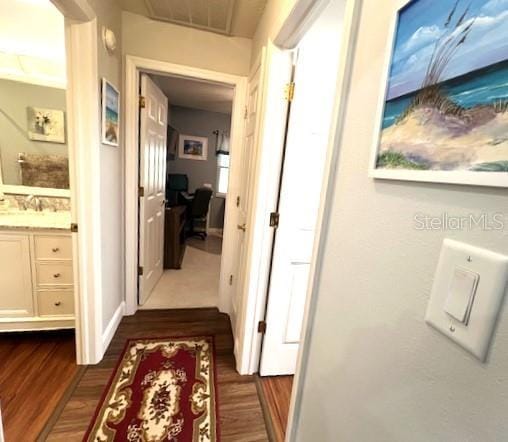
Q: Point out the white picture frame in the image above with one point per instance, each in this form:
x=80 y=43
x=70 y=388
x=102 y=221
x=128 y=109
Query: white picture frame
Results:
x=110 y=114
x=192 y=148
x=489 y=179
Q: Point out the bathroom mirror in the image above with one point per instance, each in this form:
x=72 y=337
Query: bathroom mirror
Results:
x=33 y=135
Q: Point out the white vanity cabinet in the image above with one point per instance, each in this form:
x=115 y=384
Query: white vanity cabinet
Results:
x=36 y=280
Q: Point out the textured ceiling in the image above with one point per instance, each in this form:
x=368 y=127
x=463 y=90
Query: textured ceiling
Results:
x=196 y=94
x=231 y=17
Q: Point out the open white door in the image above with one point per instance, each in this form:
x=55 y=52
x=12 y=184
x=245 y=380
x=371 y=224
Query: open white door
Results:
x=301 y=185
x=246 y=174
x=152 y=182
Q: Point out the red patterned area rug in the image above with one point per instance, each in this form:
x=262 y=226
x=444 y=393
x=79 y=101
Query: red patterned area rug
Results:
x=163 y=389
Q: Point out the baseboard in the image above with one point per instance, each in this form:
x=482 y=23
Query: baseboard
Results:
x=215 y=231
x=108 y=334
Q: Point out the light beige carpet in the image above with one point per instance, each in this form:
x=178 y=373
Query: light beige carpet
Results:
x=196 y=284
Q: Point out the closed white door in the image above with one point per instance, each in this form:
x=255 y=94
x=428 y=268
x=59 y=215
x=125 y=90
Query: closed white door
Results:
x=302 y=180
x=152 y=180
x=16 y=297
x=246 y=174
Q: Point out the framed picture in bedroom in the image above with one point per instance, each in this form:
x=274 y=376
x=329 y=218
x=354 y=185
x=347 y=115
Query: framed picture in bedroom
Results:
x=443 y=111
x=193 y=148
x=110 y=114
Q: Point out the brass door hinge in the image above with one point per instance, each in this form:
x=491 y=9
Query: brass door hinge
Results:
x=289 y=91
x=140 y=271
x=262 y=327
x=246 y=114
x=274 y=219
x=237 y=201
x=141 y=191
x=142 y=102
x=74 y=227
x=230 y=279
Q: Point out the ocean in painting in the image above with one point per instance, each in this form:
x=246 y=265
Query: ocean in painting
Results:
x=447 y=97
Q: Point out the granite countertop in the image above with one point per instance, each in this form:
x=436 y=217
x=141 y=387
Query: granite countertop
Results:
x=31 y=220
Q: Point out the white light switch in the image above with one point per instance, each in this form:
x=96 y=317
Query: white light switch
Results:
x=461 y=294
x=468 y=291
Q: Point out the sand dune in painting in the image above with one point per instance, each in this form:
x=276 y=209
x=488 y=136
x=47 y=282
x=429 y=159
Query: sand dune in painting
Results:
x=430 y=139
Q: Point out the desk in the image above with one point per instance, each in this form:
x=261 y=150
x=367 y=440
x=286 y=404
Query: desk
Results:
x=174 y=237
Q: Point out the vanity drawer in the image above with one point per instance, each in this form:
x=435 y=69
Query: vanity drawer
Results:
x=54 y=273
x=53 y=247
x=55 y=303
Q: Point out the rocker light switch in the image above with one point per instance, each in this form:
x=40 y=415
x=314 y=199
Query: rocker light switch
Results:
x=461 y=294
x=467 y=293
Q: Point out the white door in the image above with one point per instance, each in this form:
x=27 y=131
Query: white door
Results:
x=302 y=180
x=246 y=166
x=16 y=298
x=152 y=178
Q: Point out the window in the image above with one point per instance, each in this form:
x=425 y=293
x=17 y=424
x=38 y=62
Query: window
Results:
x=222 y=174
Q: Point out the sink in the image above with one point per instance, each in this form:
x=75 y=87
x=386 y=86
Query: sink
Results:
x=31 y=218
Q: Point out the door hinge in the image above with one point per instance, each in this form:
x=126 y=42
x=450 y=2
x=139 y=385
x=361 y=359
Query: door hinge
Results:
x=142 y=102
x=274 y=219
x=262 y=327
x=237 y=201
x=141 y=191
x=289 y=91
x=74 y=227
x=140 y=271
x=230 y=279
x=246 y=114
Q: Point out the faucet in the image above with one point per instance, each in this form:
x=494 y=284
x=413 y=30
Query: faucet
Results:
x=37 y=203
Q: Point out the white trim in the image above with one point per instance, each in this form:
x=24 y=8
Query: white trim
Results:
x=84 y=161
x=39 y=191
x=112 y=326
x=298 y=22
x=493 y=179
x=2 y=439
x=351 y=25
x=133 y=65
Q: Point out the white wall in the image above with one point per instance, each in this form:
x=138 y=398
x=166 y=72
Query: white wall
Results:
x=376 y=371
x=275 y=13
x=111 y=172
x=158 y=40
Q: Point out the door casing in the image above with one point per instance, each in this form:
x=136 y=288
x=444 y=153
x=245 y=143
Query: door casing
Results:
x=133 y=66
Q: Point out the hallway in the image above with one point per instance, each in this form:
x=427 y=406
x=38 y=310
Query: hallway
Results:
x=241 y=417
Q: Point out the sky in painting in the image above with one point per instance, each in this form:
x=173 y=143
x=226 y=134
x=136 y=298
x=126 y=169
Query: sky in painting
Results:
x=422 y=23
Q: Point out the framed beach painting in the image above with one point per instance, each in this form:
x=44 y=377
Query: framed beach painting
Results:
x=110 y=114
x=193 y=148
x=444 y=114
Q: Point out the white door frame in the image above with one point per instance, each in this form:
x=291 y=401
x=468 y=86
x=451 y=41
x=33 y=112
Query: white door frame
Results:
x=350 y=32
x=133 y=66
x=83 y=112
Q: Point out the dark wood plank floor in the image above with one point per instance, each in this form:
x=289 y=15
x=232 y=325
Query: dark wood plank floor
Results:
x=241 y=417
x=35 y=370
x=276 y=392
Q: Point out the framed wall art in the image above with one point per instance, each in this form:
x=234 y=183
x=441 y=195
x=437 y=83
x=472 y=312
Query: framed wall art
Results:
x=110 y=114
x=443 y=116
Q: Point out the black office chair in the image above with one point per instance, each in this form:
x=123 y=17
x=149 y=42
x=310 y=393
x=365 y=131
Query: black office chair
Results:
x=176 y=184
x=198 y=210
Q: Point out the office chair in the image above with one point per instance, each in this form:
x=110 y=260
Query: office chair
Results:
x=198 y=210
x=176 y=183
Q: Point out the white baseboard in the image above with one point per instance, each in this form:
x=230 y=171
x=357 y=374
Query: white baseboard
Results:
x=215 y=231
x=110 y=330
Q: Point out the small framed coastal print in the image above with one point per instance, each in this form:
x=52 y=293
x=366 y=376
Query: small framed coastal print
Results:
x=110 y=114
x=193 y=148
x=444 y=114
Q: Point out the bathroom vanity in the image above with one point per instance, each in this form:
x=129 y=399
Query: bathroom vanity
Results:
x=36 y=271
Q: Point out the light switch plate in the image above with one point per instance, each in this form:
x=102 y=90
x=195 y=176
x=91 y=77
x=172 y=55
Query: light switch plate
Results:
x=492 y=269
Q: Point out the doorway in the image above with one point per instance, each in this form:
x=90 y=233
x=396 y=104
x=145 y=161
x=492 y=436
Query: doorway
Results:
x=196 y=171
x=218 y=236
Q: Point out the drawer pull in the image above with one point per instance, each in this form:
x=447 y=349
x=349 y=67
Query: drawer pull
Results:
x=58 y=304
x=55 y=249
x=57 y=275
